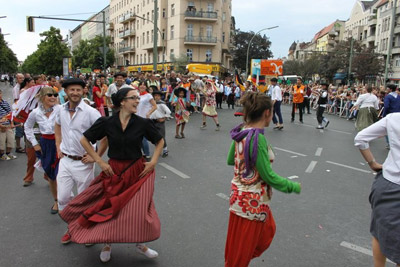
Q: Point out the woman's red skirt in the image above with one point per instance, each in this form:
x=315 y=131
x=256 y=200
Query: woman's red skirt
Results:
x=247 y=239
x=137 y=221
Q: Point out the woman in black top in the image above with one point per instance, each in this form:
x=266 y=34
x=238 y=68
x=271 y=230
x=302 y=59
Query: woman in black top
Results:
x=118 y=206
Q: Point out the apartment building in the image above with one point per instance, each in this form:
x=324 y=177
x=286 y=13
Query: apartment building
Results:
x=89 y=30
x=201 y=30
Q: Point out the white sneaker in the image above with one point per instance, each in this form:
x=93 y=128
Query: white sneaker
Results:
x=5 y=157
x=105 y=254
x=148 y=252
x=11 y=156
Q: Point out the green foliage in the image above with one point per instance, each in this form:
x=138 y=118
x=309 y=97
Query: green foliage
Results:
x=8 y=60
x=88 y=54
x=180 y=63
x=259 y=48
x=47 y=59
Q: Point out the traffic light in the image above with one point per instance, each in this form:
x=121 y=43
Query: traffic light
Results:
x=30 y=25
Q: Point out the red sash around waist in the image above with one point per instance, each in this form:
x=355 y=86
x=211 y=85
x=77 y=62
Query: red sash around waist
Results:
x=49 y=136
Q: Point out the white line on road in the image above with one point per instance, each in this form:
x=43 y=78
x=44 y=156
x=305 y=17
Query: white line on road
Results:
x=321 y=131
x=318 y=152
x=289 y=151
x=293 y=177
x=223 y=196
x=172 y=169
x=311 y=167
x=358 y=249
x=346 y=166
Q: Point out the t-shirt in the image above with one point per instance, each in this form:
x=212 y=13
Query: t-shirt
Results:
x=144 y=105
x=4 y=110
x=123 y=145
x=61 y=96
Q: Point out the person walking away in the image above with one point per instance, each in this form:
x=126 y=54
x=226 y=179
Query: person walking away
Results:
x=6 y=131
x=76 y=167
x=209 y=106
x=322 y=102
x=146 y=107
x=159 y=116
x=118 y=206
x=276 y=97
x=368 y=106
x=44 y=117
x=298 y=99
x=251 y=227
x=385 y=191
x=181 y=114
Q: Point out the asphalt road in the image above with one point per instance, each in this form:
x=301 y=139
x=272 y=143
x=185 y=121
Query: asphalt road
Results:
x=326 y=225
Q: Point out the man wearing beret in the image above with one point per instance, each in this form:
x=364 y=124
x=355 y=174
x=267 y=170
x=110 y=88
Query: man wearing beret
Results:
x=75 y=167
x=113 y=88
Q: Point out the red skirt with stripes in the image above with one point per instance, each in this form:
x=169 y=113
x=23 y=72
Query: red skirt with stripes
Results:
x=136 y=222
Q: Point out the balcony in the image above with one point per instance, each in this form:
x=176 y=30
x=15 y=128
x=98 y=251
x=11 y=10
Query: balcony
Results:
x=396 y=50
x=127 y=33
x=110 y=26
x=201 y=15
x=127 y=49
x=371 y=38
x=126 y=18
x=200 y=40
x=331 y=42
x=372 y=20
x=396 y=29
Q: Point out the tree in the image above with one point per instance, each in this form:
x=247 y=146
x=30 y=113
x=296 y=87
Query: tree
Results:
x=88 y=55
x=366 y=64
x=259 y=48
x=180 y=63
x=8 y=60
x=48 y=58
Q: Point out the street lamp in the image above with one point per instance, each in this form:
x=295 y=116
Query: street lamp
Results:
x=248 y=47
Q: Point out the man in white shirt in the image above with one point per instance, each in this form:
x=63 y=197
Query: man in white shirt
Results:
x=114 y=87
x=75 y=167
x=276 y=97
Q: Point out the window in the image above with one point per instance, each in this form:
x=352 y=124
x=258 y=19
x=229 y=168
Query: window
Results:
x=143 y=39
x=189 y=32
x=149 y=58
x=397 y=62
x=189 y=54
x=152 y=15
x=148 y=17
x=209 y=31
x=148 y=36
x=210 y=7
x=137 y=59
x=172 y=33
x=171 y=54
x=164 y=13
x=138 y=24
x=163 y=34
x=223 y=37
x=144 y=59
x=152 y=36
x=208 y=55
x=223 y=16
x=141 y=59
x=137 y=42
x=173 y=10
x=144 y=21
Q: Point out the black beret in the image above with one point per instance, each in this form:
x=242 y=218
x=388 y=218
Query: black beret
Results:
x=123 y=74
x=157 y=93
x=73 y=81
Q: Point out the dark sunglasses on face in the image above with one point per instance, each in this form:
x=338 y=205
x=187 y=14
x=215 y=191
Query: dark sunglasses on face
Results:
x=50 y=95
x=133 y=97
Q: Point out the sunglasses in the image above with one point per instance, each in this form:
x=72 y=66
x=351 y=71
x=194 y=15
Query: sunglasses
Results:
x=50 y=95
x=133 y=97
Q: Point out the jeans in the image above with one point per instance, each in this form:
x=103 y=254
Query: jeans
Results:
x=277 y=111
x=145 y=147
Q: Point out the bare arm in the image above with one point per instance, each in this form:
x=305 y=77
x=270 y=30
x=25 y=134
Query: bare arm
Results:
x=57 y=132
x=369 y=158
x=149 y=166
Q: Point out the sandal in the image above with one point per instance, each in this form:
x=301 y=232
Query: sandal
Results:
x=182 y=135
x=178 y=136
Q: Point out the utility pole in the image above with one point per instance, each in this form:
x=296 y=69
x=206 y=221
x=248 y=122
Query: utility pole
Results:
x=350 y=60
x=389 y=53
x=104 y=43
x=155 y=31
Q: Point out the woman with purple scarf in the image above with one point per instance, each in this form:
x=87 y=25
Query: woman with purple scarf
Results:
x=251 y=224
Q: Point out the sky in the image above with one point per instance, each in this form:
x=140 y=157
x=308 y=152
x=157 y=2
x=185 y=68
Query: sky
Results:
x=298 y=20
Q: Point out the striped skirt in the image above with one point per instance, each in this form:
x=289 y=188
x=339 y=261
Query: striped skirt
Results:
x=136 y=222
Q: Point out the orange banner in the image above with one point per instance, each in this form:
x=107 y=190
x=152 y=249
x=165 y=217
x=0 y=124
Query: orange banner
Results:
x=271 y=67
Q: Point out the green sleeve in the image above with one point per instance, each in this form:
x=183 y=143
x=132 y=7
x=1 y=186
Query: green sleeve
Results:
x=263 y=166
x=231 y=154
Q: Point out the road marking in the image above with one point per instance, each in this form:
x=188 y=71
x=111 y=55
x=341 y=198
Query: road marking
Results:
x=293 y=157
x=172 y=169
x=321 y=131
x=349 y=167
x=318 y=152
x=359 y=249
x=311 y=167
x=223 y=196
x=289 y=151
x=293 y=177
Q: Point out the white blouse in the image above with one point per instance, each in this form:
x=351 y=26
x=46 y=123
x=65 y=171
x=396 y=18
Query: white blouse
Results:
x=46 y=124
x=389 y=126
x=367 y=100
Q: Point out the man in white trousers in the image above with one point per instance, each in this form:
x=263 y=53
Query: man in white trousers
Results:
x=75 y=167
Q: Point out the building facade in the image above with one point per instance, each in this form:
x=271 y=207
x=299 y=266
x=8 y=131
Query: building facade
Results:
x=89 y=30
x=199 y=30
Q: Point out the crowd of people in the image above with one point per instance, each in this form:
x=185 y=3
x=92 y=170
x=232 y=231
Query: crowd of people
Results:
x=69 y=124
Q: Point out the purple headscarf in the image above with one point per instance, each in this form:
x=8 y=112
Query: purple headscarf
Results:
x=238 y=134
